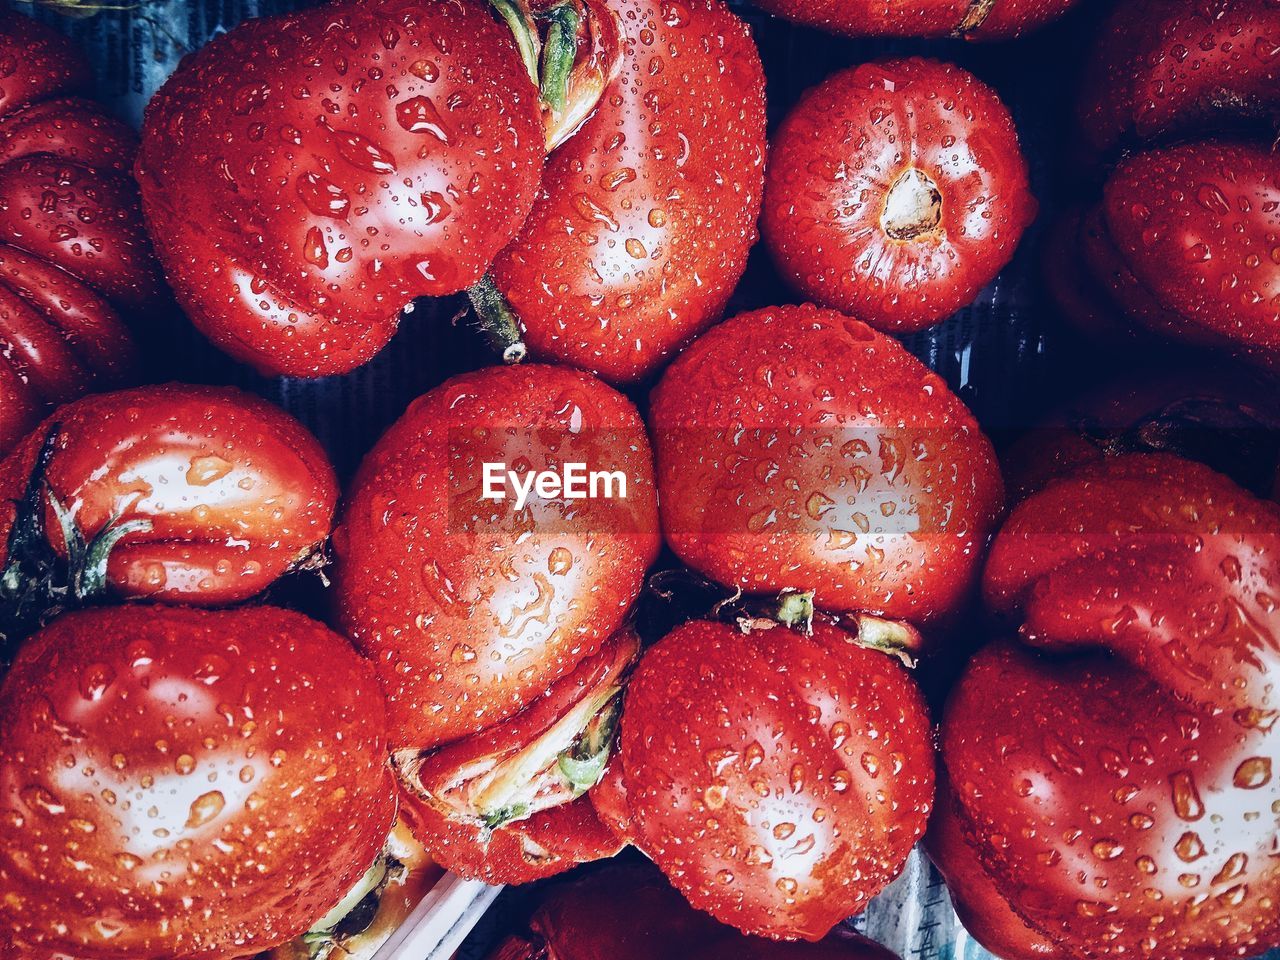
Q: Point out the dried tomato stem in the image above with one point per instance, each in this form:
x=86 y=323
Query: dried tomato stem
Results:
x=496 y=320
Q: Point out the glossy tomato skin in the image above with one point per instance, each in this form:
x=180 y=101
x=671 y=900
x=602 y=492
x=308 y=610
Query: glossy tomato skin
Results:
x=351 y=158
x=896 y=191
x=72 y=245
x=799 y=448
x=1120 y=794
x=627 y=912
x=971 y=19
x=982 y=908
x=468 y=607
x=1112 y=815
x=1184 y=245
x=177 y=782
x=237 y=492
x=646 y=215
x=778 y=780
x=1162 y=561
x=1165 y=67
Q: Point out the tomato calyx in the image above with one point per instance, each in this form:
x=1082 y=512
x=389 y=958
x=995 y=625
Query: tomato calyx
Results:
x=572 y=50
x=547 y=756
x=912 y=206
x=496 y=321
x=38 y=580
x=974 y=17
x=897 y=638
x=355 y=912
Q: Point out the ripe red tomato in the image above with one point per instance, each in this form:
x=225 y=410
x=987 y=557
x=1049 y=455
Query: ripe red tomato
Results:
x=1163 y=67
x=1120 y=792
x=71 y=235
x=970 y=19
x=1182 y=244
x=487 y=805
x=350 y=157
x=799 y=448
x=627 y=912
x=217 y=493
x=177 y=782
x=896 y=191
x=983 y=910
x=470 y=607
x=779 y=780
x=646 y=215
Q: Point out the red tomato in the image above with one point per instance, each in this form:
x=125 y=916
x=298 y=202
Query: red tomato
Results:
x=71 y=236
x=1161 y=67
x=1120 y=791
x=471 y=607
x=646 y=215
x=799 y=448
x=350 y=158
x=983 y=910
x=176 y=782
x=896 y=191
x=512 y=780
x=1183 y=245
x=970 y=19
x=627 y=912
x=778 y=780
x=1116 y=818
x=233 y=492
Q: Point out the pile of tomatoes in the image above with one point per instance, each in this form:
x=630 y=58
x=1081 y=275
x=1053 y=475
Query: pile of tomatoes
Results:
x=750 y=594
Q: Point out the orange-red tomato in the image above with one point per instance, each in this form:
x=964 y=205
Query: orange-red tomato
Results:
x=798 y=448
x=470 y=607
x=180 y=782
x=72 y=245
x=896 y=192
x=348 y=159
x=230 y=491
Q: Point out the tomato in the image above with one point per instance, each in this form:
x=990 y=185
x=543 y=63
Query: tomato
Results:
x=513 y=780
x=1161 y=67
x=1112 y=815
x=350 y=158
x=799 y=448
x=983 y=910
x=1183 y=245
x=970 y=19
x=471 y=607
x=1120 y=792
x=71 y=237
x=645 y=217
x=627 y=912
x=779 y=780
x=213 y=493
x=177 y=782
x=896 y=192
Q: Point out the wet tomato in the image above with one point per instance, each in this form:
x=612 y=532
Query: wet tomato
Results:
x=177 y=782
x=970 y=19
x=1120 y=793
x=202 y=495
x=496 y=805
x=628 y=912
x=896 y=191
x=779 y=780
x=472 y=606
x=1164 y=67
x=645 y=217
x=798 y=448
x=72 y=245
x=350 y=158
x=1183 y=244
